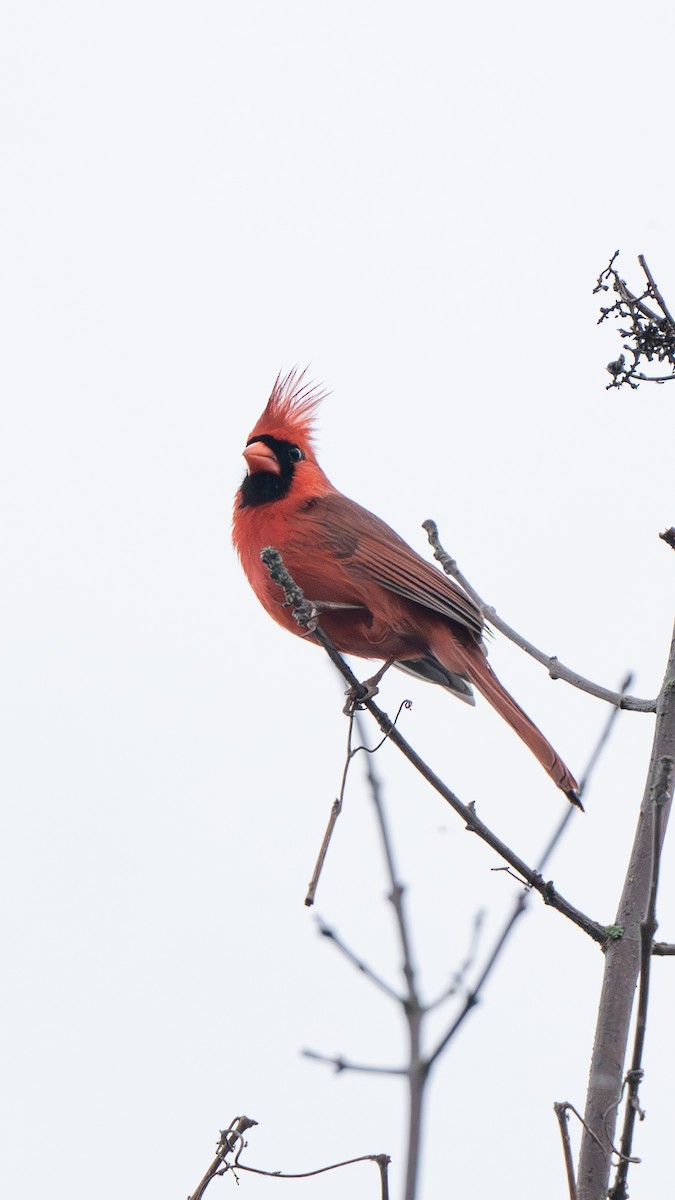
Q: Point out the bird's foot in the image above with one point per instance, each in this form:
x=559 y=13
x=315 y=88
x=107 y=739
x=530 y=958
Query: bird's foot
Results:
x=307 y=616
x=357 y=696
x=310 y=611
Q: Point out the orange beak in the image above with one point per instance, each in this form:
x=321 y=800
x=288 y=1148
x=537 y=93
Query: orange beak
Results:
x=260 y=457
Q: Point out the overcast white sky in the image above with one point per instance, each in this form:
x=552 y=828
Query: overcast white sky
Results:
x=416 y=200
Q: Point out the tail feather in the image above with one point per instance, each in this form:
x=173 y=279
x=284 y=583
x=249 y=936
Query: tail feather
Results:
x=475 y=667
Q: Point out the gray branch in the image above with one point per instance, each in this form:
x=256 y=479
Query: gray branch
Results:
x=622 y=963
x=556 y=669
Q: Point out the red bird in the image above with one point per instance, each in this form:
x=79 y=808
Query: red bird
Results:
x=377 y=598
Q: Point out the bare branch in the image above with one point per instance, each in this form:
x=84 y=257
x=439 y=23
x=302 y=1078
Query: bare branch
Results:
x=231 y=1141
x=661 y=791
x=563 y=1121
x=652 y=378
x=344 y=1064
x=556 y=669
x=304 y=613
x=381 y=1161
x=360 y=965
x=561 y=1110
x=624 y=957
x=650 y=334
x=663 y=949
x=654 y=290
x=413 y=1010
x=350 y=710
x=335 y=811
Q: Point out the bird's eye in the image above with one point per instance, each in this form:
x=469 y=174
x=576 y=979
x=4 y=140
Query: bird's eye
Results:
x=295 y=454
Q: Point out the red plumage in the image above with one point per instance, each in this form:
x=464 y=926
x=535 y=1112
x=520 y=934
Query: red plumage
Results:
x=385 y=601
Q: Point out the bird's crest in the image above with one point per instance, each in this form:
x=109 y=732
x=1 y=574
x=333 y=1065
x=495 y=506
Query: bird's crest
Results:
x=290 y=410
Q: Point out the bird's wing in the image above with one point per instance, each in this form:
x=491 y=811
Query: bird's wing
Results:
x=368 y=549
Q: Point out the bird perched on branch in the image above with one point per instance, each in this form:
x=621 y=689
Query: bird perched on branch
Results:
x=375 y=596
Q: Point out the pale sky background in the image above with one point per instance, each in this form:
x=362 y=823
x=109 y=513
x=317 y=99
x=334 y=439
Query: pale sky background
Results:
x=416 y=200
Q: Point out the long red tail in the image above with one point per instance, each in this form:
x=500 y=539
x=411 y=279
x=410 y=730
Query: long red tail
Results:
x=474 y=665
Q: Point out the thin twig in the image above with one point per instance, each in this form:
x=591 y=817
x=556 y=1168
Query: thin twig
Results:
x=360 y=965
x=335 y=811
x=382 y=1162
x=563 y=1121
x=339 y=1063
x=546 y=889
x=583 y=1123
x=556 y=669
x=336 y=808
x=231 y=1141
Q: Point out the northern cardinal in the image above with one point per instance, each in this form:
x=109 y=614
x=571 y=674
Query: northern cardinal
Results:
x=375 y=596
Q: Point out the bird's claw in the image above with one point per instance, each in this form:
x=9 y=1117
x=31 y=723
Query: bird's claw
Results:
x=307 y=613
x=358 y=695
x=307 y=616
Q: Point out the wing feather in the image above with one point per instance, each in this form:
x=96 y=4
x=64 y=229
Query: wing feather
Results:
x=367 y=548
